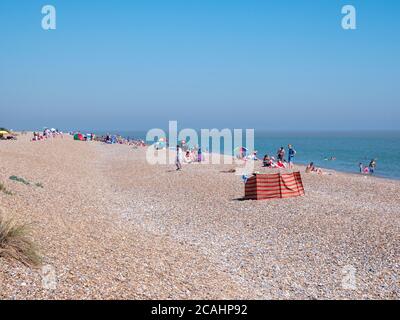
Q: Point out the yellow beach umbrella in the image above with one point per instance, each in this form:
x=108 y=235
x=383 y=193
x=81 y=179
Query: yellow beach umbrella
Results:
x=4 y=132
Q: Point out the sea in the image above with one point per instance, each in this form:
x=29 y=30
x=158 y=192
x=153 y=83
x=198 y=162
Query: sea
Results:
x=341 y=151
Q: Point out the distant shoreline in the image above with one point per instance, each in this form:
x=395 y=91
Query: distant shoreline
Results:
x=299 y=163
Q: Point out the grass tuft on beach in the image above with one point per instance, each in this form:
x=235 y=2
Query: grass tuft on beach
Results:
x=4 y=189
x=15 y=242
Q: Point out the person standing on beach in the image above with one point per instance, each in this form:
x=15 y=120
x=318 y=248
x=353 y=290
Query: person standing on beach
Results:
x=291 y=154
x=199 y=155
x=281 y=154
x=372 y=166
x=178 y=160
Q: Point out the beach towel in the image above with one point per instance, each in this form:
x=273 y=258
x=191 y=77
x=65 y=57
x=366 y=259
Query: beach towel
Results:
x=273 y=186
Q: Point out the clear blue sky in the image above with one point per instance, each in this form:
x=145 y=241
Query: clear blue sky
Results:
x=285 y=65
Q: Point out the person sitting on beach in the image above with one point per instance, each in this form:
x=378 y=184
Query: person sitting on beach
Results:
x=311 y=168
x=188 y=157
x=253 y=156
x=274 y=164
x=280 y=164
x=267 y=161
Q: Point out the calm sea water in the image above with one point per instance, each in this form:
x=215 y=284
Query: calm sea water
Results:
x=349 y=148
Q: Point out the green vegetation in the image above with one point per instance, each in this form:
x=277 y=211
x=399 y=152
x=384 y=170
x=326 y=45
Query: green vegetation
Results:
x=15 y=242
x=4 y=189
x=26 y=182
x=18 y=179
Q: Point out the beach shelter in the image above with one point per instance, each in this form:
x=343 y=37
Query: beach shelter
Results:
x=273 y=186
x=4 y=132
x=78 y=136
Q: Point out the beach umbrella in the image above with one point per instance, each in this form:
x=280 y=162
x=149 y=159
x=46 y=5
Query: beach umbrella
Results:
x=4 y=132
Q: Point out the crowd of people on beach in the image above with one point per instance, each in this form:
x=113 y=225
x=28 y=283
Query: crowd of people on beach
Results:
x=108 y=139
x=117 y=139
x=280 y=161
x=6 y=134
x=370 y=169
x=46 y=134
x=185 y=154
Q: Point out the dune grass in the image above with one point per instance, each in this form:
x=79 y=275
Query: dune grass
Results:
x=4 y=189
x=15 y=242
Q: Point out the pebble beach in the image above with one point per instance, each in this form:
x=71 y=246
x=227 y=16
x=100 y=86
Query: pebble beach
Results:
x=112 y=226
